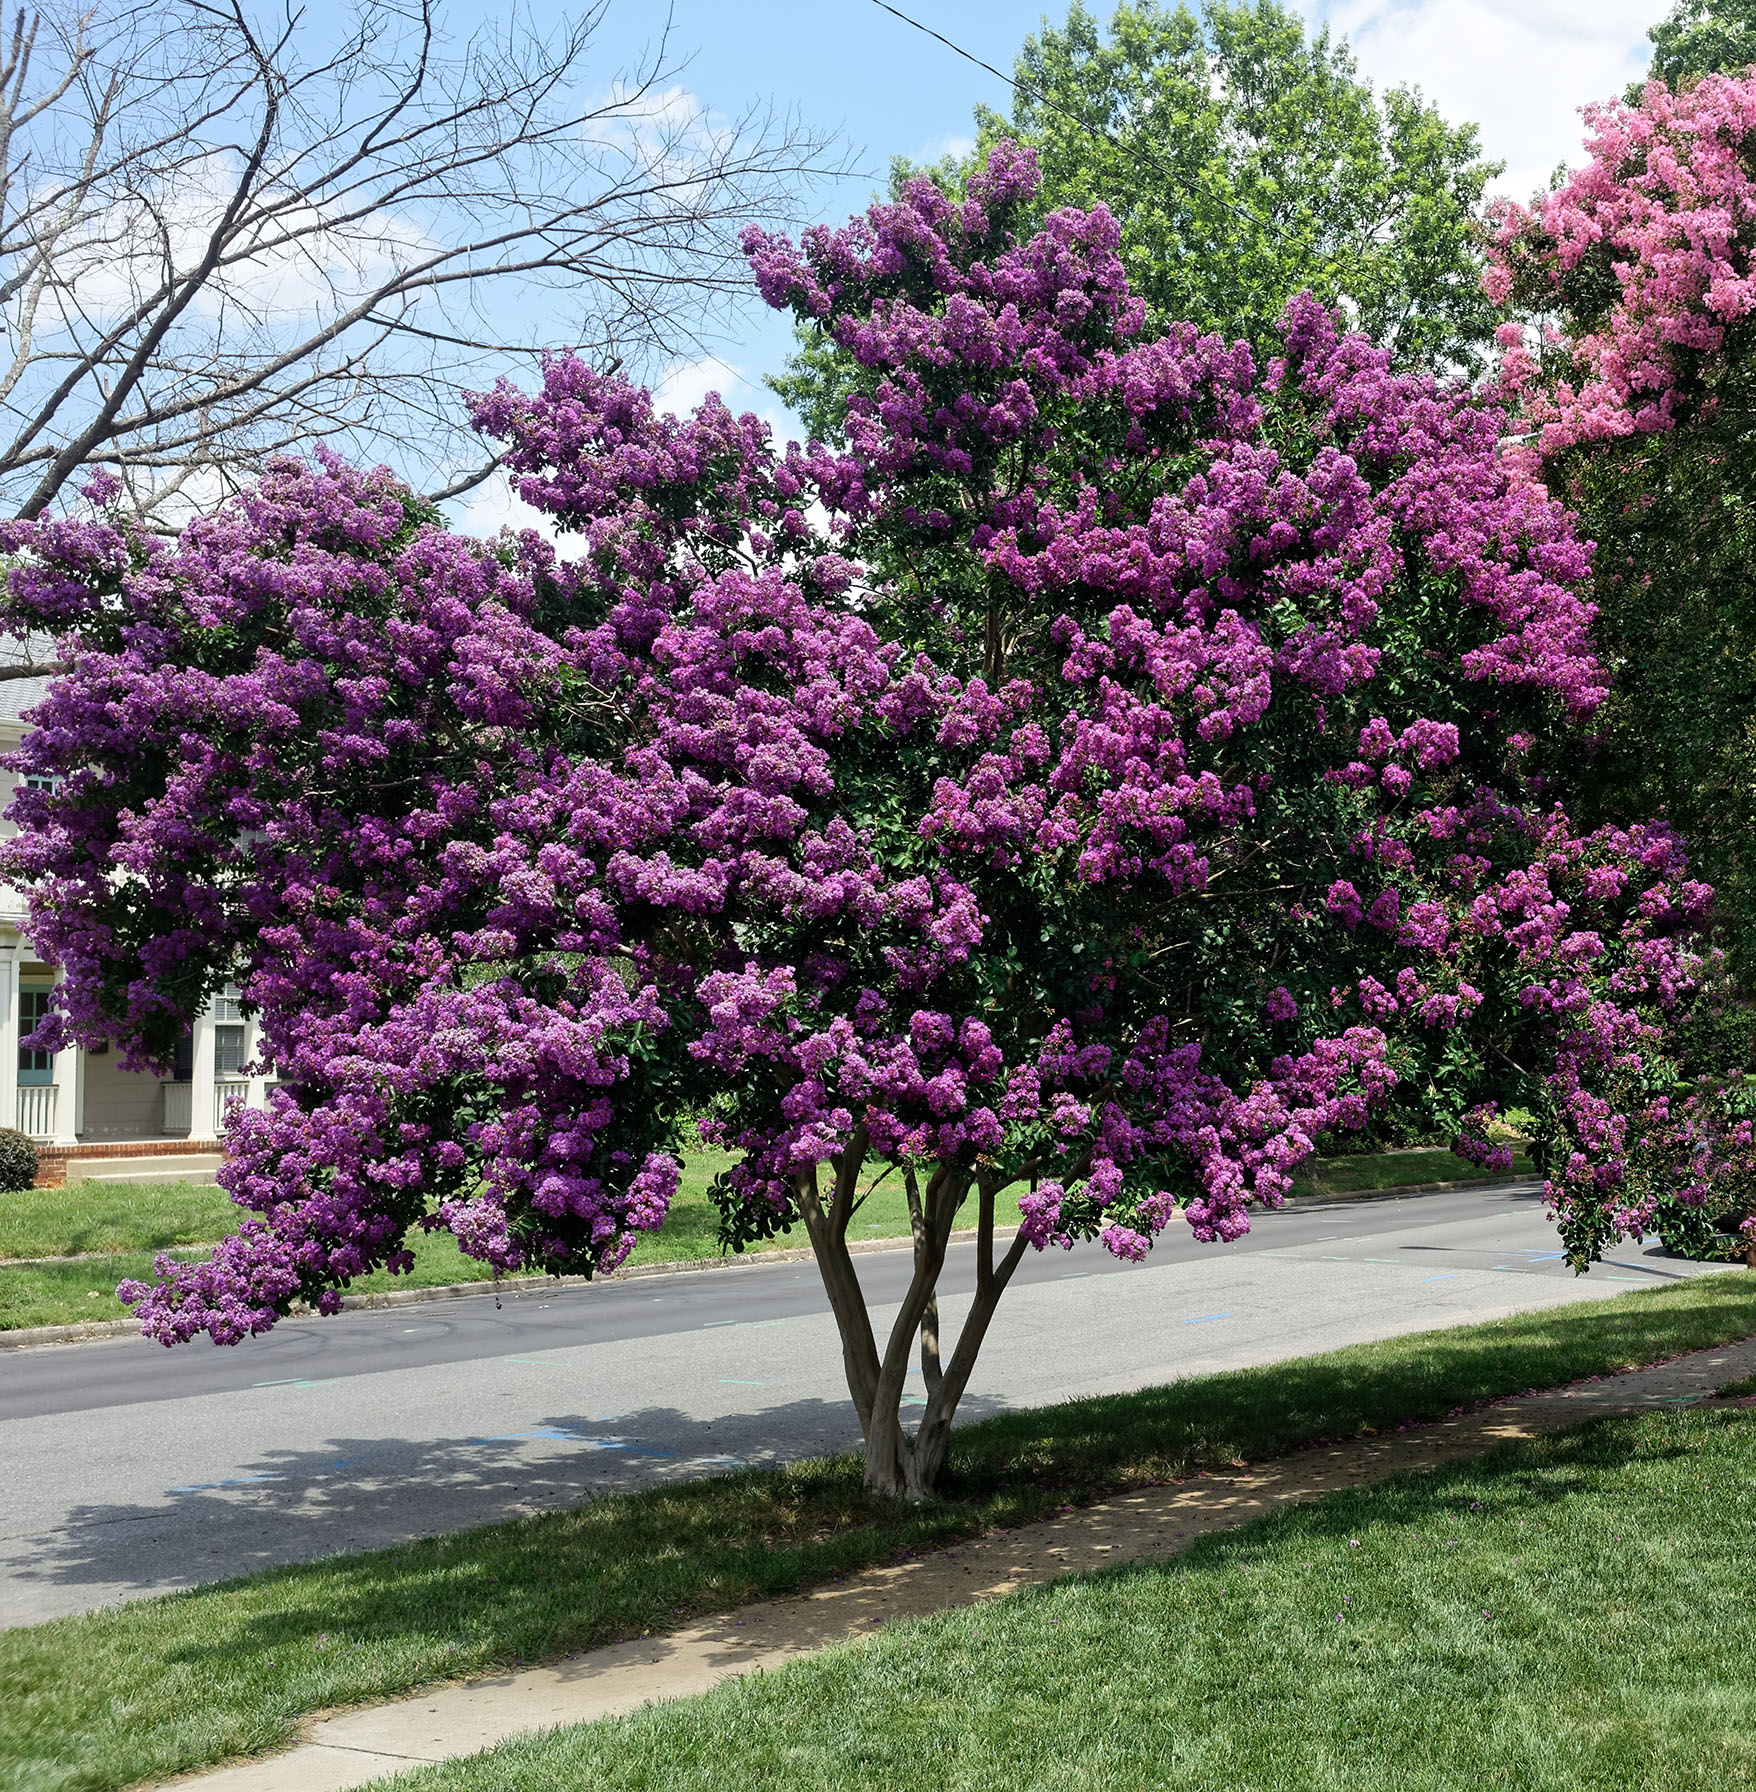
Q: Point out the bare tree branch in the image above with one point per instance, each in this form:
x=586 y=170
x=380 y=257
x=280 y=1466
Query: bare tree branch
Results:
x=466 y=482
x=226 y=231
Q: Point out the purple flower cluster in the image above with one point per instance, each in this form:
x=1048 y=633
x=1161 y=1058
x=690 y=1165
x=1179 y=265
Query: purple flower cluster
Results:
x=1107 y=772
x=1690 y=1169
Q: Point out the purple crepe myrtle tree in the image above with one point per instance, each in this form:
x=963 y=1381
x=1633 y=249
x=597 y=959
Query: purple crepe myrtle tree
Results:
x=1117 y=770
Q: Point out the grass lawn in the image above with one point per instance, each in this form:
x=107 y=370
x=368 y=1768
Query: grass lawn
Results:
x=691 y=1228
x=112 y=1216
x=167 y=1685
x=1395 y=1169
x=131 y=1222
x=71 y=1293
x=134 y=1218
x=1573 y=1612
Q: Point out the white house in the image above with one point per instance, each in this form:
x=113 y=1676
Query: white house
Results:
x=86 y=1113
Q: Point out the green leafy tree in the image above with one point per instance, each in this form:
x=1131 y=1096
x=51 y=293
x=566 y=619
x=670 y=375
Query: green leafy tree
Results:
x=1674 y=518
x=1703 y=37
x=1245 y=162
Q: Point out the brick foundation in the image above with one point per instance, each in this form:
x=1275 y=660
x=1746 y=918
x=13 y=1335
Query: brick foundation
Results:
x=52 y=1160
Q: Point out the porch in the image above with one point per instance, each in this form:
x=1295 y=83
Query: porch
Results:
x=69 y=1100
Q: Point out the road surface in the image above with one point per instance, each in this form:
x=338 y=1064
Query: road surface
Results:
x=127 y=1469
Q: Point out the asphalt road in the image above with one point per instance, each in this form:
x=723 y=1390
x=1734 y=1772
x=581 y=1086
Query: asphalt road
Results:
x=127 y=1469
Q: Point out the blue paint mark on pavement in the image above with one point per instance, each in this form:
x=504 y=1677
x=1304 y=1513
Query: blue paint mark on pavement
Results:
x=209 y=1486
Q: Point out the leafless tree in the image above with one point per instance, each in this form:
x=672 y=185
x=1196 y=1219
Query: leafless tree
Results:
x=225 y=233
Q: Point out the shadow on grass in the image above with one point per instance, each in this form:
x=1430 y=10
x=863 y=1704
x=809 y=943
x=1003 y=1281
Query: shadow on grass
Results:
x=1248 y=1414
x=1520 y=1478
x=1545 y=1616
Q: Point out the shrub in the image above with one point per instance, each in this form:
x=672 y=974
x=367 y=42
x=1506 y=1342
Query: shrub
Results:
x=18 y=1161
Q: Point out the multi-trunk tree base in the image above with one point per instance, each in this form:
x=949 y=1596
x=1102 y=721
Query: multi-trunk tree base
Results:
x=899 y=1462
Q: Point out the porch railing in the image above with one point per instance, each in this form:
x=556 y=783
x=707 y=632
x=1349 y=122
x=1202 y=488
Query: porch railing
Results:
x=36 y=1110
x=179 y=1109
x=227 y=1094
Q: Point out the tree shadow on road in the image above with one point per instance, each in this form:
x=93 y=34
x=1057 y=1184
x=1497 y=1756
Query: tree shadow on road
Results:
x=368 y=1494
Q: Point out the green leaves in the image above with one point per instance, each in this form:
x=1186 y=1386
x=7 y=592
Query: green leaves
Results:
x=1247 y=164
x=1702 y=37
x=1674 y=518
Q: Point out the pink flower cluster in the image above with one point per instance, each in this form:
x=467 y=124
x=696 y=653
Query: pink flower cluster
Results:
x=1645 y=252
x=1691 y=1170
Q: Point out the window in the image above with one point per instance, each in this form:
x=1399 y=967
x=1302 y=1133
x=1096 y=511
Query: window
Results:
x=34 y=1068
x=47 y=781
x=228 y=1033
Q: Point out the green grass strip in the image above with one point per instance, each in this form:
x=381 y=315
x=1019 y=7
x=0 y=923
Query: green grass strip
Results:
x=1370 y=1171
x=130 y=1222
x=1568 y=1613
x=176 y=1683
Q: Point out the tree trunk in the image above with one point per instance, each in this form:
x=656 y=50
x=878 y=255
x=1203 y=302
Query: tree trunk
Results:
x=933 y=1438
x=899 y=1463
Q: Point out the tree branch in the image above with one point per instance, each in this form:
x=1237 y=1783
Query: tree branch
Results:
x=212 y=238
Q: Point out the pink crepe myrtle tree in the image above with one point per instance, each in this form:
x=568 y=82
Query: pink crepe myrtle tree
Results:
x=1118 y=769
x=1631 y=372
x=1636 y=271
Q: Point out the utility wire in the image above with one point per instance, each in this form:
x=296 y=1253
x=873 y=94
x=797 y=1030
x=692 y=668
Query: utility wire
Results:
x=1093 y=130
x=958 y=50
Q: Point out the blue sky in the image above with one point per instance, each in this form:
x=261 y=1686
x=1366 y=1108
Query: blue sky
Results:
x=1519 y=68
x=843 y=65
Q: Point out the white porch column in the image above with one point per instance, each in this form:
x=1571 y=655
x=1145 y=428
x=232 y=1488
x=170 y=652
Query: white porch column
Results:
x=201 y=1091
x=258 y=1092
x=69 y=1076
x=9 y=1040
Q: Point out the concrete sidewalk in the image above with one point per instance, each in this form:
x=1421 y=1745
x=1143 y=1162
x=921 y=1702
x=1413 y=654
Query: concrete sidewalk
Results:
x=354 y=1747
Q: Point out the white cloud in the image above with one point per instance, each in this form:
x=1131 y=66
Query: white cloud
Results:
x=686 y=383
x=294 y=265
x=1521 y=69
x=666 y=136
x=494 y=506
x=941 y=147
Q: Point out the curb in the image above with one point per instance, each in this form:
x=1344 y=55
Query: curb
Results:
x=29 y=1336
